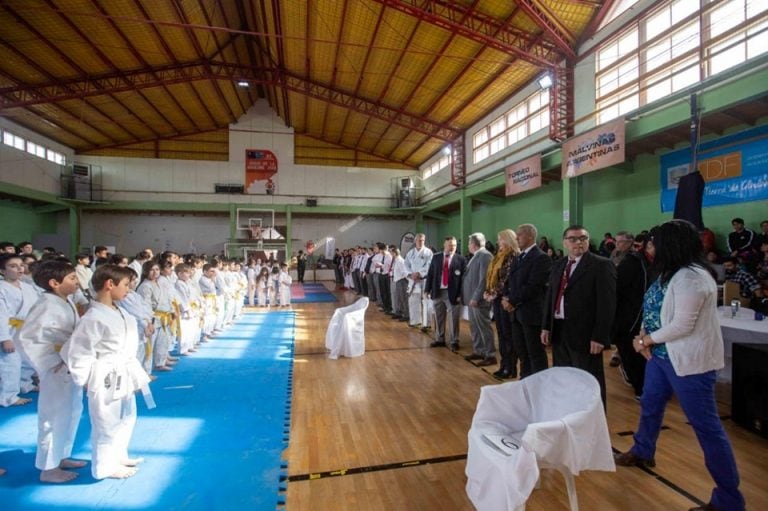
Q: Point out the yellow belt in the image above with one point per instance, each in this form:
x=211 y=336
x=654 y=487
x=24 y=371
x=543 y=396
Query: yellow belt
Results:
x=165 y=317
x=57 y=347
x=15 y=323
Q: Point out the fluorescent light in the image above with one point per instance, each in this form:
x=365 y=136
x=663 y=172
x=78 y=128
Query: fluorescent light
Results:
x=447 y=150
x=243 y=83
x=545 y=81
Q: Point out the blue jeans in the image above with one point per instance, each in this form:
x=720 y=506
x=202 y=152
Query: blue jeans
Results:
x=696 y=394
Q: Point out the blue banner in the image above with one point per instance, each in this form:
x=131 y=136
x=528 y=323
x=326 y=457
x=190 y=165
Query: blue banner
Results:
x=735 y=169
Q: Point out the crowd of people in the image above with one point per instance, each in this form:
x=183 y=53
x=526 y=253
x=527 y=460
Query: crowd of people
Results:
x=110 y=325
x=653 y=296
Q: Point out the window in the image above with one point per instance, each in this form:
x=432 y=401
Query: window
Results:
x=525 y=118
x=13 y=140
x=660 y=54
x=55 y=157
x=35 y=149
x=438 y=165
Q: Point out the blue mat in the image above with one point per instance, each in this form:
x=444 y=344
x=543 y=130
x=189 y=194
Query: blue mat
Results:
x=314 y=293
x=215 y=440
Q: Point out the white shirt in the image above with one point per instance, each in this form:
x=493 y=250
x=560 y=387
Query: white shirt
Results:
x=48 y=326
x=560 y=308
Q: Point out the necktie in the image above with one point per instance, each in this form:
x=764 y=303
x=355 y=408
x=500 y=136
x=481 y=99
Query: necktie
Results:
x=563 y=285
x=446 y=260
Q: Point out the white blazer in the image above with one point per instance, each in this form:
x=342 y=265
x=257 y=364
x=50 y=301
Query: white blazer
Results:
x=689 y=324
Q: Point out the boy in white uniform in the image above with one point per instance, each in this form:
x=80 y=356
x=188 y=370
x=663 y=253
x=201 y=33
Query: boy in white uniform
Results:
x=102 y=354
x=16 y=298
x=47 y=327
x=84 y=272
x=137 y=307
x=285 y=285
x=208 y=290
x=189 y=321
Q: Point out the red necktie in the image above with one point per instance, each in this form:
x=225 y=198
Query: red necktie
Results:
x=446 y=260
x=563 y=285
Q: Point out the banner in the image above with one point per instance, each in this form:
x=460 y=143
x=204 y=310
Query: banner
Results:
x=260 y=170
x=734 y=168
x=406 y=242
x=524 y=175
x=596 y=149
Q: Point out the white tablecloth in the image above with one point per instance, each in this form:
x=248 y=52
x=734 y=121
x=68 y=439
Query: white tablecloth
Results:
x=743 y=328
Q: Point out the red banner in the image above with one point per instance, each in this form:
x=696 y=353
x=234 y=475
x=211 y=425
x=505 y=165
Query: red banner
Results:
x=260 y=167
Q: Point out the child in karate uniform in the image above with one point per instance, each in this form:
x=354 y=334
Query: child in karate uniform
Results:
x=16 y=298
x=274 y=286
x=102 y=354
x=208 y=289
x=189 y=321
x=47 y=327
x=142 y=312
x=285 y=285
x=157 y=297
x=262 y=286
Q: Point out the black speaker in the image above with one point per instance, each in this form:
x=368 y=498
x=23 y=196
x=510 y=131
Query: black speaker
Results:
x=228 y=188
x=749 y=399
x=311 y=202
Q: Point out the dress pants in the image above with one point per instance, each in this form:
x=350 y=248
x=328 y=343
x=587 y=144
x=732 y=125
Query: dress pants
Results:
x=444 y=309
x=401 y=292
x=508 y=362
x=527 y=342
x=632 y=362
x=564 y=355
x=385 y=294
x=480 y=330
x=696 y=394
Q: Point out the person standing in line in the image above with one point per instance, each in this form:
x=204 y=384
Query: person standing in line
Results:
x=47 y=327
x=524 y=298
x=101 y=353
x=683 y=344
x=579 y=307
x=443 y=286
x=417 y=262
x=472 y=291
x=301 y=266
x=496 y=281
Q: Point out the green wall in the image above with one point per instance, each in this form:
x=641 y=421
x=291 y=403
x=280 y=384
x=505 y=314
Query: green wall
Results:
x=613 y=200
x=21 y=222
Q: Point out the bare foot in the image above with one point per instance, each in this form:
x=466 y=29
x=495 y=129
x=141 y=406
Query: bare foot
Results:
x=57 y=475
x=22 y=401
x=192 y=350
x=70 y=463
x=163 y=368
x=152 y=377
x=124 y=473
x=132 y=462
x=2 y=472
x=171 y=362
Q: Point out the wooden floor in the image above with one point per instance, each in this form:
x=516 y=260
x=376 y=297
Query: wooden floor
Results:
x=381 y=416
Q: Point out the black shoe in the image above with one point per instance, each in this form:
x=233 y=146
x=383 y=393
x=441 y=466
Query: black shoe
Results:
x=490 y=361
x=426 y=329
x=454 y=347
x=474 y=356
x=503 y=375
x=401 y=318
x=630 y=459
x=437 y=344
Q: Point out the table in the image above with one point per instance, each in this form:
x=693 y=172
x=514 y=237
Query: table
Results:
x=742 y=328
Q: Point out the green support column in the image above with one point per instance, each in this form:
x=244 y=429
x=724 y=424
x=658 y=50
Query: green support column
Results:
x=418 y=223
x=74 y=231
x=573 y=208
x=288 y=234
x=465 y=222
x=232 y=224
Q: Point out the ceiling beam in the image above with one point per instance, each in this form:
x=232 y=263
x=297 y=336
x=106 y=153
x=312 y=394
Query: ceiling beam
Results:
x=554 y=30
x=595 y=22
x=14 y=97
x=480 y=28
x=436 y=215
x=335 y=69
x=351 y=148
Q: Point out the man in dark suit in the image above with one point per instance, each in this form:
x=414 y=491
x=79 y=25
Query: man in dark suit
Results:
x=443 y=286
x=579 y=306
x=524 y=299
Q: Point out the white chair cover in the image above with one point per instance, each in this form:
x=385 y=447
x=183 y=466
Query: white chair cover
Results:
x=346 y=331
x=557 y=416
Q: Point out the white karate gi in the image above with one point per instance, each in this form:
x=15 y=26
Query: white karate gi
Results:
x=47 y=327
x=157 y=297
x=285 y=288
x=137 y=307
x=208 y=290
x=417 y=261
x=102 y=353
x=15 y=375
x=189 y=321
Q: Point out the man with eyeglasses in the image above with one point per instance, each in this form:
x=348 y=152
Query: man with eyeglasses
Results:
x=579 y=307
x=443 y=286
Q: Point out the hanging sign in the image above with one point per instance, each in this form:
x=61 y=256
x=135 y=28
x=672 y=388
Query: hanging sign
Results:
x=596 y=149
x=260 y=171
x=524 y=175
